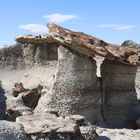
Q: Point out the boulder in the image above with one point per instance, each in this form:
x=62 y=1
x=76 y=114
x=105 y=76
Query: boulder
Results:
x=18 y=88
x=46 y=123
x=31 y=98
x=51 y=127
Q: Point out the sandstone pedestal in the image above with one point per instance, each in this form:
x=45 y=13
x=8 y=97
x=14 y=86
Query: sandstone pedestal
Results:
x=75 y=89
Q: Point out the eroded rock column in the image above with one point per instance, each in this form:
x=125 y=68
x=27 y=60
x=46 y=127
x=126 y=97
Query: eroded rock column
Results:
x=120 y=95
x=75 y=89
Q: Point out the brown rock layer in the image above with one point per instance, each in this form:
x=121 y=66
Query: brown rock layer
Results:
x=31 y=98
x=36 y=39
x=90 y=45
x=18 y=88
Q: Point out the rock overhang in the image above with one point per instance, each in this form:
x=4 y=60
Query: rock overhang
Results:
x=91 y=46
x=127 y=53
x=35 y=39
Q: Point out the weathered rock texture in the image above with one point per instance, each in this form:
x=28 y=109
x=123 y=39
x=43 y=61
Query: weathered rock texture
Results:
x=31 y=98
x=35 y=39
x=15 y=107
x=90 y=45
x=28 y=63
x=118 y=134
x=119 y=85
x=121 y=105
x=48 y=126
x=22 y=54
x=12 y=131
x=9 y=55
x=18 y=88
x=75 y=89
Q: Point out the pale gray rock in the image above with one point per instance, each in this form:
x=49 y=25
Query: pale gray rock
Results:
x=46 y=123
x=118 y=134
x=39 y=54
x=24 y=55
x=89 y=133
x=15 y=106
x=12 y=131
x=11 y=57
x=120 y=98
x=31 y=60
x=50 y=127
x=75 y=89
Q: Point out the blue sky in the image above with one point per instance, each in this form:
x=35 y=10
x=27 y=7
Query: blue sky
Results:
x=111 y=20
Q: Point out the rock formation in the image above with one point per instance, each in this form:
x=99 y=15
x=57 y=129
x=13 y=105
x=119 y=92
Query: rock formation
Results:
x=75 y=89
x=119 y=83
x=29 y=53
x=86 y=84
x=121 y=103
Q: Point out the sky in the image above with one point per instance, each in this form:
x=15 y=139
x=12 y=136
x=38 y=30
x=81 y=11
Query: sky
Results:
x=111 y=20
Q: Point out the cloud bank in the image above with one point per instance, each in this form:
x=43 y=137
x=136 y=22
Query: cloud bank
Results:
x=59 y=18
x=55 y=17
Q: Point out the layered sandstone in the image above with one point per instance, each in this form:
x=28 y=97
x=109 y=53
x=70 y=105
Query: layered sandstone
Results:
x=119 y=81
x=80 y=74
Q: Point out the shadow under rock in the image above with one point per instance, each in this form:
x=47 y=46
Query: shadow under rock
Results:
x=2 y=103
x=121 y=106
x=103 y=138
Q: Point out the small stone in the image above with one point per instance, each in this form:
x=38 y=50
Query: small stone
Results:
x=32 y=96
x=19 y=88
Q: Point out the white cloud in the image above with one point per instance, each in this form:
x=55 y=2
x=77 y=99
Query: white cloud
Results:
x=35 y=28
x=59 y=18
x=125 y=27
x=116 y=26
